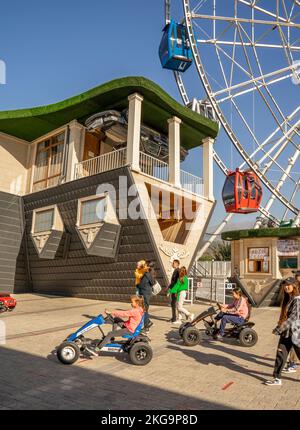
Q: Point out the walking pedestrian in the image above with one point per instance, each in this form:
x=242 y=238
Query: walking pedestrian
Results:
x=180 y=289
x=140 y=270
x=291 y=366
x=174 y=279
x=288 y=328
x=145 y=290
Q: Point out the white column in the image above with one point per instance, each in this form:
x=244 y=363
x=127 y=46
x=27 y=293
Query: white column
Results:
x=208 y=164
x=134 y=130
x=75 y=150
x=243 y=263
x=174 y=151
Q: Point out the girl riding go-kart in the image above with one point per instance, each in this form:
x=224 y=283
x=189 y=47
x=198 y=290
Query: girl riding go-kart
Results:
x=133 y=342
x=237 y=313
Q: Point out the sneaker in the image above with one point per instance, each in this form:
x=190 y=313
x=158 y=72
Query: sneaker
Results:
x=290 y=369
x=275 y=381
x=150 y=324
x=177 y=322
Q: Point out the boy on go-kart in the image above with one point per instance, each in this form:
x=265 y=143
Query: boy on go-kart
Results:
x=236 y=312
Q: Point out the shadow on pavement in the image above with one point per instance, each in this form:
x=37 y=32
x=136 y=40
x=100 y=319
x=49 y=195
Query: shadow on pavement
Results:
x=224 y=347
x=218 y=360
x=32 y=382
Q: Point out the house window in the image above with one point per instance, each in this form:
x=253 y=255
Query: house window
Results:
x=92 y=211
x=43 y=221
x=48 y=164
x=288 y=262
x=258 y=260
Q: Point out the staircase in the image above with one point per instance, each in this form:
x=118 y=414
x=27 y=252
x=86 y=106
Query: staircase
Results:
x=11 y=232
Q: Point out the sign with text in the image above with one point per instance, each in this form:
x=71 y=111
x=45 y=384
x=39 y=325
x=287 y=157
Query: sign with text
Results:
x=288 y=247
x=258 y=253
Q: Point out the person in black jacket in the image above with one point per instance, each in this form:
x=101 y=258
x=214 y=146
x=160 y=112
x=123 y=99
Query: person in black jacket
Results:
x=174 y=279
x=145 y=290
x=288 y=328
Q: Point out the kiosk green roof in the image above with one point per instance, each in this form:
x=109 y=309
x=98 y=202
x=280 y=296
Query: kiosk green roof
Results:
x=158 y=106
x=282 y=232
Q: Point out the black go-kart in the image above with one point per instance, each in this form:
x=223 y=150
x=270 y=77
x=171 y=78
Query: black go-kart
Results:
x=191 y=334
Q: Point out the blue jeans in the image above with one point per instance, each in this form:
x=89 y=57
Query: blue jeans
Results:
x=227 y=318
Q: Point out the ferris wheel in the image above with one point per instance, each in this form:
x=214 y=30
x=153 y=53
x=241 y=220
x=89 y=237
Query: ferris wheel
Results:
x=246 y=75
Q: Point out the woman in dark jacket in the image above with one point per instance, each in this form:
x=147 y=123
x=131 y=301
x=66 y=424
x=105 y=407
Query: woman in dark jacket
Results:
x=145 y=290
x=288 y=328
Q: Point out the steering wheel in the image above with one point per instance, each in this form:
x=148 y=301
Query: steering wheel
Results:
x=109 y=318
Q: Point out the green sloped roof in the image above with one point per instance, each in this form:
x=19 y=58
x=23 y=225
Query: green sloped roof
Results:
x=158 y=106
x=261 y=232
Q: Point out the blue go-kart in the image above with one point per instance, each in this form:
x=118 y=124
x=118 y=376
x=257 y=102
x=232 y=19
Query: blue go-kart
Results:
x=136 y=345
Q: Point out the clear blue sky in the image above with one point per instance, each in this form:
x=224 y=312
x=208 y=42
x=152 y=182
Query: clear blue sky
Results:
x=57 y=49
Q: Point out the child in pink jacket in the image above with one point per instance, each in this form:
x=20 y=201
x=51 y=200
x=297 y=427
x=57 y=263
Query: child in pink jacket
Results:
x=236 y=312
x=134 y=317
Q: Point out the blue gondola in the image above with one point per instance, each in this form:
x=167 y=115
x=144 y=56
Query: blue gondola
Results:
x=174 y=50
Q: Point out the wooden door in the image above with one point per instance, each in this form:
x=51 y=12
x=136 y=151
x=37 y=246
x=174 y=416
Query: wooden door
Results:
x=91 y=146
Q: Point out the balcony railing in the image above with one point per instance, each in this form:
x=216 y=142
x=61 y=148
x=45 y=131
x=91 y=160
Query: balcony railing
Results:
x=103 y=163
x=191 y=183
x=149 y=165
x=153 y=167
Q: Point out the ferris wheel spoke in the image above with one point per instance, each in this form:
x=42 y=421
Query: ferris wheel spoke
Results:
x=260 y=148
x=259 y=9
x=266 y=142
x=281 y=182
x=237 y=20
x=219 y=113
x=254 y=81
x=266 y=84
x=291 y=47
x=281 y=143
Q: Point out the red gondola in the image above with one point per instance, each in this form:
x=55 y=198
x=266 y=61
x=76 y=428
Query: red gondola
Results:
x=242 y=192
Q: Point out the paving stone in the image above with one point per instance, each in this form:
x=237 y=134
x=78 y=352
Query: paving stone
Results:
x=211 y=375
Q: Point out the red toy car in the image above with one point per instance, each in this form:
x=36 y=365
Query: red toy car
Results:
x=7 y=303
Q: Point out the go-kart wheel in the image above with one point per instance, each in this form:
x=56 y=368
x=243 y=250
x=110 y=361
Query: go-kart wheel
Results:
x=191 y=336
x=141 y=353
x=181 y=329
x=68 y=352
x=248 y=337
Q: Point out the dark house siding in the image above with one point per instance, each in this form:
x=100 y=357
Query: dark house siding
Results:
x=73 y=272
x=11 y=232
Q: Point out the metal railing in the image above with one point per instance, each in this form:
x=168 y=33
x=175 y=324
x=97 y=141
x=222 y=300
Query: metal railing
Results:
x=191 y=183
x=154 y=167
x=103 y=163
x=149 y=165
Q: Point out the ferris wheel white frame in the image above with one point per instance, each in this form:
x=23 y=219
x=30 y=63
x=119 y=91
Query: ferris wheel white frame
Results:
x=257 y=82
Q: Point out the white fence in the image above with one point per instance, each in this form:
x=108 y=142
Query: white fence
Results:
x=191 y=183
x=149 y=165
x=220 y=269
x=103 y=163
x=154 y=167
x=210 y=280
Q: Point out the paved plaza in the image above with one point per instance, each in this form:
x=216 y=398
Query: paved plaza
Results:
x=212 y=375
